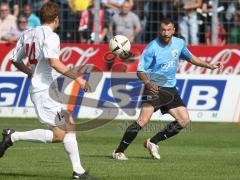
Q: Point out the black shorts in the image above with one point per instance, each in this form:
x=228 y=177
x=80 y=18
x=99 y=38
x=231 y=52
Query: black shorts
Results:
x=166 y=99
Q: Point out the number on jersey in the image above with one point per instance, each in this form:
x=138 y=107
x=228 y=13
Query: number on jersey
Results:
x=31 y=54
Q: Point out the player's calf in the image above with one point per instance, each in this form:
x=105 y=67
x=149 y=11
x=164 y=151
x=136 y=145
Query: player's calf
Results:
x=184 y=122
x=170 y=130
x=129 y=135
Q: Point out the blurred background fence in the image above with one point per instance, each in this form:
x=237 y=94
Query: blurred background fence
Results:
x=197 y=21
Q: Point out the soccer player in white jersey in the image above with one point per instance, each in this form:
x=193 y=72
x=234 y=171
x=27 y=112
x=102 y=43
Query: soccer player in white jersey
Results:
x=42 y=47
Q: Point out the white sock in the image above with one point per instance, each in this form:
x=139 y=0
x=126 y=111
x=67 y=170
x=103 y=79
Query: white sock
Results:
x=71 y=147
x=39 y=135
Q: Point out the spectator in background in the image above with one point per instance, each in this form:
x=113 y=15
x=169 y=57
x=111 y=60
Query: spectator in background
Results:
x=233 y=6
x=126 y=23
x=86 y=26
x=234 y=31
x=14 y=4
x=188 y=23
x=221 y=35
x=114 y=6
x=33 y=20
x=156 y=11
x=204 y=20
x=7 y=20
x=141 y=8
x=76 y=7
x=14 y=35
x=206 y=24
x=36 y=5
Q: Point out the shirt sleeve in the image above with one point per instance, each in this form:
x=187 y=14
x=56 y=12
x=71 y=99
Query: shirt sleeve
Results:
x=136 y=21
x=14 y=23
x=38 y=22
x=146 y=59
x=19 y=51
x=51 y=47
x=113 y=20
x=185 y=53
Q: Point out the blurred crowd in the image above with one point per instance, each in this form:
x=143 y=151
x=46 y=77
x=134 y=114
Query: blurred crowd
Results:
x=136 y=19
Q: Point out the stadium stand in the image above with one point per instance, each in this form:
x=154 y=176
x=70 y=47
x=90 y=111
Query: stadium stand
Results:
x=150 y=12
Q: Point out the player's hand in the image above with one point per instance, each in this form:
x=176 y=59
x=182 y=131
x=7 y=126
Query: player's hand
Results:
x=87 y=87
x=152 y=88
x=218 y=65
x=84 y=84
x=30 y=74
x=131 y=38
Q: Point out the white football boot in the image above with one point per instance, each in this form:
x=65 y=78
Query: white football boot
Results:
x=119 y=156
x=153 y=149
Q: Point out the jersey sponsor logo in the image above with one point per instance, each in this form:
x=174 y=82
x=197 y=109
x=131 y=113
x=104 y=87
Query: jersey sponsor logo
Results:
x=167 y=65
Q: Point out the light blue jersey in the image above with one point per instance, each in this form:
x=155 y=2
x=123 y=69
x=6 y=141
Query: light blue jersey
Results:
x=160 y=62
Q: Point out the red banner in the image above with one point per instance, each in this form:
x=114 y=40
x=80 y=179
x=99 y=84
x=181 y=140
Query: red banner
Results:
x=99 y=55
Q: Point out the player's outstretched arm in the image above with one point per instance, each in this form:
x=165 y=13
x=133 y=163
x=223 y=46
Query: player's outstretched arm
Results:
x=61 y=68
x=21 y=66
x=198 y=62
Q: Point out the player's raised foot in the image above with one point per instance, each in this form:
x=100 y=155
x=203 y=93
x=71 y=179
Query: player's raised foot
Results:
x=119 y=156
x=6 y=141
x=153 y=149
x=85 y=175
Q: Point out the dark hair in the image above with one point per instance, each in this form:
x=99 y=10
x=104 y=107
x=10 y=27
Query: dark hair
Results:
x=167 y=21
x=27 y=5
x=20 y=18
x=49 y=12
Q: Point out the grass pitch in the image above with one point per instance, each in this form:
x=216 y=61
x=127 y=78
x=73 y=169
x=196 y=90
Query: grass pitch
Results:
x=203 y=151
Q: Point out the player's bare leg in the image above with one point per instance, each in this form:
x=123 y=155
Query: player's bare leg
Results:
x=64 y=133
x=132 y=131
x=181 y=115
x=145 y=114
x=67 y=134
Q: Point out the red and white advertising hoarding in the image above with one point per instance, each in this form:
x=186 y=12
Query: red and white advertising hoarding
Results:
x=209 y=95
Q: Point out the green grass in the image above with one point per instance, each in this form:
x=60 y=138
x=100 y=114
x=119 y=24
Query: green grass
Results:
x=203 y=151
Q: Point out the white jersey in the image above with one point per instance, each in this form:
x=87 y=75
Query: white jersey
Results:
x=39 y=45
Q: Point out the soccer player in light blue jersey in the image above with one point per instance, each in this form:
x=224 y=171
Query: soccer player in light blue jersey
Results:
x=157 y=70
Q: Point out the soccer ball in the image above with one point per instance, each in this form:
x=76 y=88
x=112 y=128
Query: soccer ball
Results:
x=120 y=46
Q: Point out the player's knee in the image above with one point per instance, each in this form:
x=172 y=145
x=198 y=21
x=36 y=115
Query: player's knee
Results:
x=58 y=137
x=142 y=121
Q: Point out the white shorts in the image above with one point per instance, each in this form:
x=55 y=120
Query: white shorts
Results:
x=49 y=111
